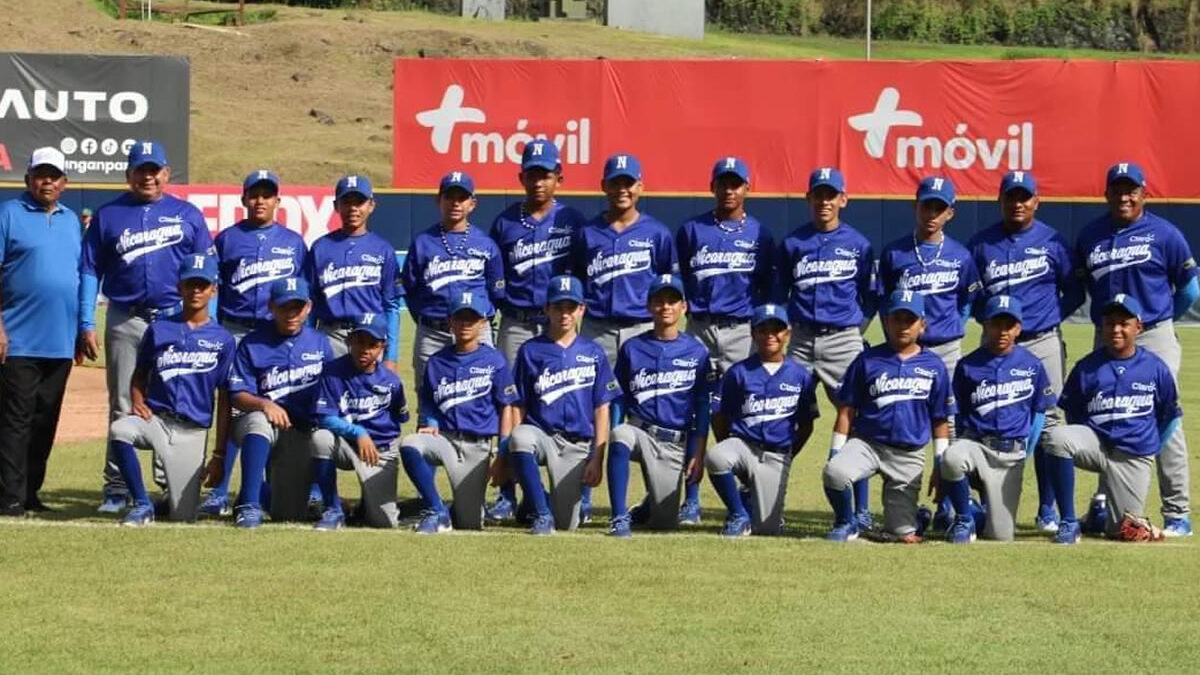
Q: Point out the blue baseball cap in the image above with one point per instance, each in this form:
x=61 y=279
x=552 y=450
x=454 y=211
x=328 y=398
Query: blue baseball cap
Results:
x=286 y=290
x=622 y=165
x=540 y=154
x=1018 y=180
x=662 y=281
x=565 y=287
x=735 y=166
x=354 y=183
x=827 y=176
x=372 y=324
x=768 y=312
x=457 y=179
x=1126 y=302
x=999 y=305
x=147 y=152
x=469 y=300
x=260 y=176
x=198 y=266
x=906 y=301
x=936 y=187
x=1126 y=171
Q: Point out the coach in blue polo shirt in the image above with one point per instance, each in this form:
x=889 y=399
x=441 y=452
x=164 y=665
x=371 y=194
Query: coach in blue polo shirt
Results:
x=39 y=247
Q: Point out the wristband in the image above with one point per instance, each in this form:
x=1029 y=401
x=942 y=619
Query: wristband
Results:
x=939 y=447
x=837 y=442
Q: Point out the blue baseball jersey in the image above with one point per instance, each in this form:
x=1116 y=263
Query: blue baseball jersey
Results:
x=351 y=276
x=617 y=268
x=1034 y=265
x=374 y=401
x=251 y=258
x=184 y=366
x=725 y=274
x=466 y=392
x=896 y=400
x=134 y=248
x=947 y=277
x=39 y=251
x=998 y=395
x=664 y=380
x=560 y=387
x=438 y=270
x=1125 y=401
x=764 y=408
x=282 y=368
x=1148 y=259
x=825 y=277
x=534 y=251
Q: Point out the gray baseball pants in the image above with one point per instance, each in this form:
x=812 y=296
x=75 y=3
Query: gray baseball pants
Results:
x=610 y=335
x=1126 y=476
x=122 y=335
x=999 y=475
x=513 y=333
x=828 y=355
x=662 y=465
x=901 y=469
x=564 y=461
x=289 y=467
x=466 y=464
x=179 y=445
x=726 y=344
x=378 y=482
x=765 y=472
x=950 y=353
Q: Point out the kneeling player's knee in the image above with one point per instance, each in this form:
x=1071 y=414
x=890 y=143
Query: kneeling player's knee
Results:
x=125 y=429
x=251 y=423
x=523 y=439
x=412 y=443
x=1056 y=442
x=625 y=436
x=835 y=476
x=954 y=463
x=323 y=442
x=720 y=459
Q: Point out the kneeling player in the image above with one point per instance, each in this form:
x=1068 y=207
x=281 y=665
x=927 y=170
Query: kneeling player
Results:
x=1121 y=406
x=466 y=398
x=181 y=362
x=274 y=380
x=892 y=399
x=1002 y=391
x=764 y=416
x=360 y=406
x=664 y=375
x=564 y=386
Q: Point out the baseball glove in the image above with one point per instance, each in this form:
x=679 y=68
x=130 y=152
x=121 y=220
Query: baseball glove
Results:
x=1134 y=528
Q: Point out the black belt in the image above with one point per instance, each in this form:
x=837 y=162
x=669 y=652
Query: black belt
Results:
x=997 y=443
x=1030 y=337
x=249 y=324
x=656 y=432
x=147 y=312
x=436 y=324
x=898 y=446
x=464 y=436
x=175 y=417
x=622 y=322
x=721 y=321
x=763 y=447
x=573 y=438
x=335 y=324
x=822 y=330
x=524 y=315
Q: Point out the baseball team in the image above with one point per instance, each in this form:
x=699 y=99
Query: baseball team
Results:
x=618 y=342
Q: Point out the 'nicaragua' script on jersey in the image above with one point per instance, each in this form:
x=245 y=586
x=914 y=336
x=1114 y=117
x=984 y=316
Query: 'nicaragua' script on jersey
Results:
x=1125 y=401
x=283 y=368
x=896 y=400
x=947 y=277
x=664 y=380
x=825 y=277
x=561 y=387
x=185 y=366
x=351 y=276
x=1148 y=259
x=374 y=401
x=1033 y=265
x=617 y=268
x=433 y=274
x=465 y=392
x=251 y=258
x=534 y=251
x=998 y=395
x=726 y=272
x=764 y=408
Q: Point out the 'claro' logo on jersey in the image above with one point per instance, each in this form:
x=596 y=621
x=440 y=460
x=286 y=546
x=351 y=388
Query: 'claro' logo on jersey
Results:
x=497 y=145
x=963 y=150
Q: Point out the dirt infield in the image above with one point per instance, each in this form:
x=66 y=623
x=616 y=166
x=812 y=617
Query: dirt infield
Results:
x=85 y=410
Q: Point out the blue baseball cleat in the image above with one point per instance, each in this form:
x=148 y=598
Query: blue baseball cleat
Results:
x=843 y=532
x=585 y=511
x=248 y=517
x=689 y=513
x=924 y=518
x=1068 y=532
x=1177 y=527
x=943 y=517
x=113 y=503
x=542 y=526
x=499 y=511
x=864 y=520
x=331 y=519
x=433 y=522
x=621 y=527
x=216 y=504
x=140 y=515
x=1096 y=520
x=1047 y=520
x=736 y=526
x=962 y=530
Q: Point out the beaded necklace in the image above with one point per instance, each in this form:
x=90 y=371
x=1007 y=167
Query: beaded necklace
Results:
x=917 y=251
x=731 y=230
x=525 y=214
x=462 y=244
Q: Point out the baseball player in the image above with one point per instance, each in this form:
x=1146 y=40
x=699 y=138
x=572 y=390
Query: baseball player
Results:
x=823 y=273
x=1135 y=252
x=1023 y=258
x=133 y=250
x=1003 y=392
x=893 y=398
x=667 y=383
x=564 y=385
x=534 y=237
x=448 y=258
x=466 y=399
x=1122 y=408
x=253 y=254
x=274 y=382
x=181 y=361
x=725 y=259
x=764 y=412
x=359 y=408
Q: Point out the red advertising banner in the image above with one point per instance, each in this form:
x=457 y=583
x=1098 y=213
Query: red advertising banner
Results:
x=885 y=124
x=307 y=210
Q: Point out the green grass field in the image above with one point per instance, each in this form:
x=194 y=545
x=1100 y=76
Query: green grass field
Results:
x=82 y=595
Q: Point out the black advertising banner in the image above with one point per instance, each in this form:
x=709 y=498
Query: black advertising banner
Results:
x=92 y=108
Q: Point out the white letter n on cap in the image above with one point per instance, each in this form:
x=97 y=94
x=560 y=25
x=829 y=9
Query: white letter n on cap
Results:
x=564 y=284
x=622 y=160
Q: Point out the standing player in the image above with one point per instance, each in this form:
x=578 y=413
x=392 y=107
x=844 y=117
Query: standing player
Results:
x=764 y=415
x=273 y=383
x=466 y=399
x=564 y=385
x=1122 y=408
x=823 y=272
x=892 y=399
x=1003 y=392
x=667 y=383
x=360 y=406
x=445 y=260
x=180 y=362
x=133 y=250
x=1133 y=251
x=725 y=259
